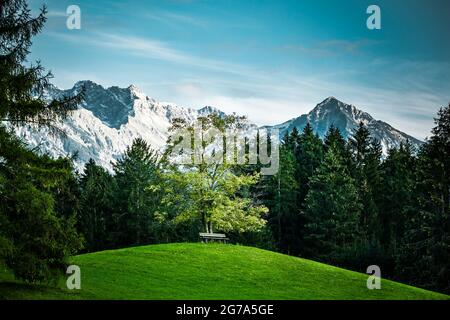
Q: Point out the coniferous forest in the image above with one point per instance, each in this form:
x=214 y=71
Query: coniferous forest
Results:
x=336 y=200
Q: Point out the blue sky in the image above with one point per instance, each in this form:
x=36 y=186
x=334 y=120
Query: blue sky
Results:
x=270 y=60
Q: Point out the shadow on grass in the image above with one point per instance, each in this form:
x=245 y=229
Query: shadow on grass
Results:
x=19 y=291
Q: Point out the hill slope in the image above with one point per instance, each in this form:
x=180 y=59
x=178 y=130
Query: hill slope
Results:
x=213 y=271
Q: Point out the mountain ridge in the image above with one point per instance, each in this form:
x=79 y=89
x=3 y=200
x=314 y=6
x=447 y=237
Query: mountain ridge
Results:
x=109 y=119
x=346 y=118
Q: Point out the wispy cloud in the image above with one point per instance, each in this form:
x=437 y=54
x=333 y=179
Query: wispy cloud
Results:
x=331 y=47
x=56 y=14
x=175 y=19
x=154 y=49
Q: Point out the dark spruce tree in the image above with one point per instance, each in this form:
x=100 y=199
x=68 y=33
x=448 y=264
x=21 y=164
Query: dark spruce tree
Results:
x=35 y=239
x=334 y=139
x=332 y=211
x=96 y=219
x=22 y=87
x=39 y=239
x=366 y=159
x=396 y=197
x=282 y=203
x=134 y=172
x=309 y=154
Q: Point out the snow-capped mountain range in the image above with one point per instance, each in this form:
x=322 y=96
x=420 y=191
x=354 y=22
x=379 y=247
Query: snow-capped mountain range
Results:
x=109 y=120
x=106 y=122
x=347 y=117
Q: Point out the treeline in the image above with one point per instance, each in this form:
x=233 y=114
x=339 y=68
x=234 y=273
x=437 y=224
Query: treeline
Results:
x=340 y=202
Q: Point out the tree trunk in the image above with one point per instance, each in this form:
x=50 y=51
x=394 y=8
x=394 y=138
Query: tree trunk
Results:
x=205 y=224
x=210 y=227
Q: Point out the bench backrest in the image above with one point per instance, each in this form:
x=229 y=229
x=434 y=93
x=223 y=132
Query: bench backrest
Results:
x=212 y=235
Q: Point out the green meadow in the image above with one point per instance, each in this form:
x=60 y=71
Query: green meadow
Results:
x=208 y=271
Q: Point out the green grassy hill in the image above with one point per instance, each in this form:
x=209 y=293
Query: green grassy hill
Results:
x=212 y=271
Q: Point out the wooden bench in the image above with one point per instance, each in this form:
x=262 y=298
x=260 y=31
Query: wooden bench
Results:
x=213 y=237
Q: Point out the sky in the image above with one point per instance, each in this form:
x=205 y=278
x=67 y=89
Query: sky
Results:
x=269 y=60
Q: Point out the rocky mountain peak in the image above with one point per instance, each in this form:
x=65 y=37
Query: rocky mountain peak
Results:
x=346 y=117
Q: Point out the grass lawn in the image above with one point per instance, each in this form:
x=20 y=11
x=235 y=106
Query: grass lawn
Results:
x=208 y=271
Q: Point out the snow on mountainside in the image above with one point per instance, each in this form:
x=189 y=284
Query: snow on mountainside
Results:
x=109 y=119
x=347 y=117
x=107 y=122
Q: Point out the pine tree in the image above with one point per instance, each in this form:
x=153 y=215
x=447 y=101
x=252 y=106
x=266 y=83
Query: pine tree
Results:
x=282 y=203
x=360 y=143
x=39 y=239
x=292 y=139
x=366 y=159
x=396 y=196
x=332 y=210
x=21 y=87
x=96 y=219
x=134 y=172
x=334 y=139
x=309 y=154
x=35 y=239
